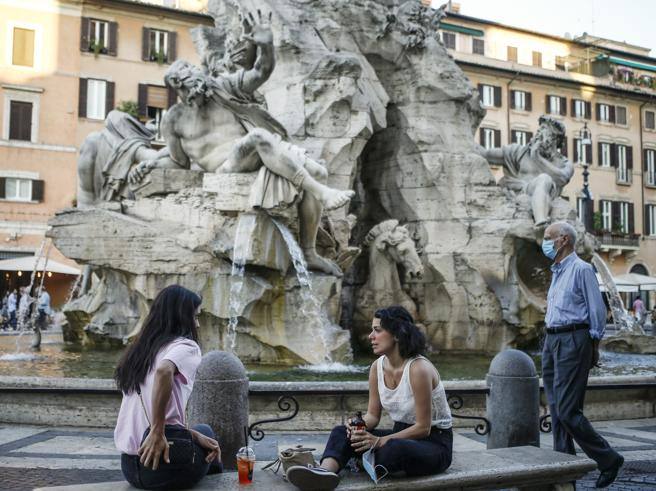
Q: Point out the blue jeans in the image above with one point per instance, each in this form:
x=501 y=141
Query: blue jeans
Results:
x=144 y=478
x=430 y=455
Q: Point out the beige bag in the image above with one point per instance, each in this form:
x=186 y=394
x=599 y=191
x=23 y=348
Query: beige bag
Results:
x=290 y=457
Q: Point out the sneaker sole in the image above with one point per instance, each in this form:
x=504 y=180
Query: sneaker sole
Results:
x=307 y=480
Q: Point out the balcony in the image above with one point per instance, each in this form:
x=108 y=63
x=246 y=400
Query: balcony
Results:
x=617 y=244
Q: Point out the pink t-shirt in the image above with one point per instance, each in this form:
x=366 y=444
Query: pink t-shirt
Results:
x=132 y=422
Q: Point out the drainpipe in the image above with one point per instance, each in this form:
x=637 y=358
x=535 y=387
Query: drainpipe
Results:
x=508 y=104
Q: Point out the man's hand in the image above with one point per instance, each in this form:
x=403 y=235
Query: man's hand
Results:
x=209 y=444
x=153 y=448
x=260 y=32
x=137 y=174
x=595 y=354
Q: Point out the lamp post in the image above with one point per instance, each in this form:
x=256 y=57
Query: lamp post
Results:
x=586 y=211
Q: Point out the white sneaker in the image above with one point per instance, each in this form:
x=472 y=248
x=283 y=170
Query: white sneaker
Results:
x=312 y=478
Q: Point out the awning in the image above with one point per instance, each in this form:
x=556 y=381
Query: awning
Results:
x=26 y=264
x=644 y=282
x=462 y=29
x=630 y=63
x=622 y=285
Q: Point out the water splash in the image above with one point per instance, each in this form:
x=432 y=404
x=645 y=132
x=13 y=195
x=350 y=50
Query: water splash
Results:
x=334 y=367
x=240 y=251
x=311 y=310
x=18 y=357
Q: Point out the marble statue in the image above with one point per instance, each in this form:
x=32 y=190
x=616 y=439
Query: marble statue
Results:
x=537 y=169
x=390 y=246
x=222 y=127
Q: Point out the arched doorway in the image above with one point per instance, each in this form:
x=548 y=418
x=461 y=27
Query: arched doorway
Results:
x=644 y=296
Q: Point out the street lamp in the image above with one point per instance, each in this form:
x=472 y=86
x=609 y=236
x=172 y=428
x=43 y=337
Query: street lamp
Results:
x=586 y=212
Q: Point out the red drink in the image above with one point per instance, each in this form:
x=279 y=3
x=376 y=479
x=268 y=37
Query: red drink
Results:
x=245 y=465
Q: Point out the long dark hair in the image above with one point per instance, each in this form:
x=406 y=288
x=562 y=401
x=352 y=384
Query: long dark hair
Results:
x=171 y=316
x=398 y=321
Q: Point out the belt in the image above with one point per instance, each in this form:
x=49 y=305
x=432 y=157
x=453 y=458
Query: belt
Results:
x=568 y=328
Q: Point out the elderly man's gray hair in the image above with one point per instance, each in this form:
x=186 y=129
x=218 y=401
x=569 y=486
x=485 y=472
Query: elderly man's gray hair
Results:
x=565 y=228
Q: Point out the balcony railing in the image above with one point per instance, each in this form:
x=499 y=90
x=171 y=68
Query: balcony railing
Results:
x=619 y=241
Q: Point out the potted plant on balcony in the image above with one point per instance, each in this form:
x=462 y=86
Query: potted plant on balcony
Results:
x=97 y=48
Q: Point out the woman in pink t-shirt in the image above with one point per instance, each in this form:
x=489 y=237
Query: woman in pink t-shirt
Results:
x=156 y=375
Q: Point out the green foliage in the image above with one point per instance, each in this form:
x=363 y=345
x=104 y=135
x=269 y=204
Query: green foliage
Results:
x=597 y=223
x=97 y=48
x=130 y=107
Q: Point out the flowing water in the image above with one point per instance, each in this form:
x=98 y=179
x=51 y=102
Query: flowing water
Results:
x=315 y=317
x=622 y=319
x=241 y=249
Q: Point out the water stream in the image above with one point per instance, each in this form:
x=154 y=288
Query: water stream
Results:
x=240 y=252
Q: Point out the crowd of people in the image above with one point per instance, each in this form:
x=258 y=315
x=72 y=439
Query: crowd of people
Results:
x=20 y=311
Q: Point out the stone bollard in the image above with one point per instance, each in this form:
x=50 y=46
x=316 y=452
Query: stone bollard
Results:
x=220 y=399
x=513 y=403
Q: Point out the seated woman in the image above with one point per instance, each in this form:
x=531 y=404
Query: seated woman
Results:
x=156 y=375
x=408 y=387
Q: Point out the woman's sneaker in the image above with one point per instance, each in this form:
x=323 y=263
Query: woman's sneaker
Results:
x=312 y=478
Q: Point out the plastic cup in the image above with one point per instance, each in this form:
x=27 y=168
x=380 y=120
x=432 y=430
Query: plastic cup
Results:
x=245 y=465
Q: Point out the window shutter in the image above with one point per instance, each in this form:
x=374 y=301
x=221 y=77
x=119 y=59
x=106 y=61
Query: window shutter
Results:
x=480 y=91
x=113 y=38
x=37 y=190
x=143 y=100
x=644 y=159
x=481 y=136
x=172 y=53
x=611 y=114
x=529 y=136
x=529 y=104
x=145 y=44
x=613 y=155
x=599 y=152
x=588 y=110
x=563 y=106
x=84 y=34
x=629 y=158
x=631 y=219
x=588 y=153
x=109 y=97
x=513 y=136
x=547 y=104
x=2 y=187
x=20 y=120
x=82 y=99
x=512 y=99
x=575 y=149
x=572 y=109
x=172 y=96
x=563 y=148
x=497 y=96
x=497 y=138
x=598 y=111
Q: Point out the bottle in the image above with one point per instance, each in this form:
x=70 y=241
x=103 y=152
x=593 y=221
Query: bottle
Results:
x=245 y=465
x=358 y=422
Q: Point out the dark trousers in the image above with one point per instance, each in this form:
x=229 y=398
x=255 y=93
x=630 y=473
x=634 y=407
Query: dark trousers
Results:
x=13 y=322
x=430 y=455
x=144 y=478
x=566 y=359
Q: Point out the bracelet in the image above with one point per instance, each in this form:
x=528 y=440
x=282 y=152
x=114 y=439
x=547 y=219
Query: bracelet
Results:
x=375 y=443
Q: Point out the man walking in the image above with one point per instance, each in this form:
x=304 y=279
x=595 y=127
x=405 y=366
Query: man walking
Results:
x=575 y=322
x=11 y=309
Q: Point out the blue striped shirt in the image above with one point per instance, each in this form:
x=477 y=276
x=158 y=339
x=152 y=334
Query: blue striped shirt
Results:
x=574 y=296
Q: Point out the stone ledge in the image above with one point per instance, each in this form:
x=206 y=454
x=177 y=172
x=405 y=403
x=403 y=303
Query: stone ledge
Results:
x=523 y=467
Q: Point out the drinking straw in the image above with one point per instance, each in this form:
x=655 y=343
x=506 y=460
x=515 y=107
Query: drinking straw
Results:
x=246 y=435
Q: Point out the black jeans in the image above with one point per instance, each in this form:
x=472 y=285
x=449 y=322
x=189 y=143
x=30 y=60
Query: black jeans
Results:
x=144 y=478
x=430 y=455
x=566 y=359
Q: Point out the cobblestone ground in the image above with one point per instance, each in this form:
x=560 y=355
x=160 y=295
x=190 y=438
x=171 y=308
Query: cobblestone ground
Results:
x=33 y=456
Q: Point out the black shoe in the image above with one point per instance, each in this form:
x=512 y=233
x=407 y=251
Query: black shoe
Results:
x=607 y=477
x=312 y=478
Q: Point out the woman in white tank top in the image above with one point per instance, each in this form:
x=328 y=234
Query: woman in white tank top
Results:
x=406 y=385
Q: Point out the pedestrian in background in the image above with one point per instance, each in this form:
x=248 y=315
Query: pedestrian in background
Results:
x=575 y=323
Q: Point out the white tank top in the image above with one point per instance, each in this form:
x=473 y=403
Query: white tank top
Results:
x=400 y=402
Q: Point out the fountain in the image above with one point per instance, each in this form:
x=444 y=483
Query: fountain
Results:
x=361 y=96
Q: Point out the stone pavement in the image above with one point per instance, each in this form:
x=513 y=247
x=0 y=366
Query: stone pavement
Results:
x=32 y=456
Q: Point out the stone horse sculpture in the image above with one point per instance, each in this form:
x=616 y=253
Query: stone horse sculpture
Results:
x=390 y=245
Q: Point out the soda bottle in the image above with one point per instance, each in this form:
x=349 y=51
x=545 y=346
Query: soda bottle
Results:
x=359 y=422
x=245 y=465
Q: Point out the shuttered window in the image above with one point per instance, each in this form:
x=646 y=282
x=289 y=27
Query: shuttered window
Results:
x=449 y=40
x=606 y=209
x=620 y=115
x=537 y=59
x=96 y=98
x=511 y=54
x=650 y=120
x=490 y=95
x=23 y=47
x=158 y=45
x=478 y=46
x=20 y=120
x=556 y=105
x=490 y=138
x=520 y=137
x=649 y=157
x=650 y=220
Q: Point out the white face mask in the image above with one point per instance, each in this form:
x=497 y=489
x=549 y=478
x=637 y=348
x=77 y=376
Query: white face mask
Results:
x=369 y=464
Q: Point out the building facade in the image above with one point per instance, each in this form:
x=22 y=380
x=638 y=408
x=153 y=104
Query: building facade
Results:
x=65 y=65
x=607 y=87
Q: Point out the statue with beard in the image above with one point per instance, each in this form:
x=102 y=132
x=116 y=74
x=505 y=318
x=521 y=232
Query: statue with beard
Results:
x=537 y=169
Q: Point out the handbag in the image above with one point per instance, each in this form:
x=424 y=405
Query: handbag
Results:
x=182 y=451
x=289 y=457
